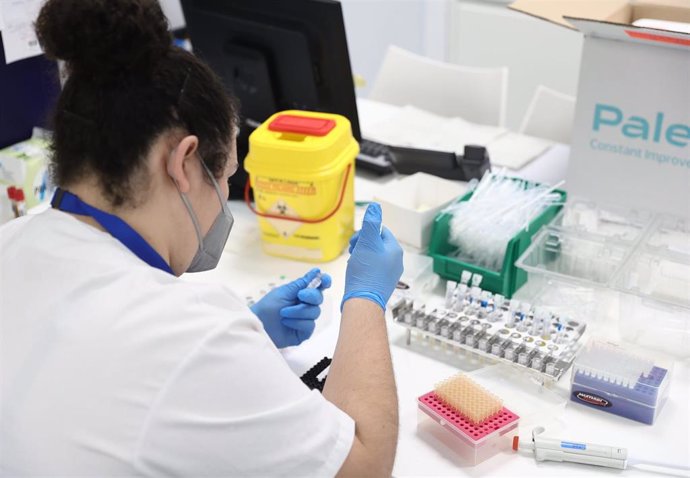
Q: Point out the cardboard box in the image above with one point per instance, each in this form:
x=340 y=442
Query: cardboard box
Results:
x=631 y=134
x=410 y=205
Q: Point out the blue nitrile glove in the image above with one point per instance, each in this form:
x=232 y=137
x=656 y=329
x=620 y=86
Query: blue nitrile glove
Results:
x=375 y=263
x=288 y=312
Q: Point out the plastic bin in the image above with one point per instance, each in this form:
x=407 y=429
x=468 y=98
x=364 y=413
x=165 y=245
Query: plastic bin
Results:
x=572 y=264
x=670 y=234
x=655 y=301
x=637 y=273
x=567 y=256
x=504 y=282
x=615 y=222
x=570 y=273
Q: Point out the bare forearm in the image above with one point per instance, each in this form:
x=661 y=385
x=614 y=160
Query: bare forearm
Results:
x=361 y=383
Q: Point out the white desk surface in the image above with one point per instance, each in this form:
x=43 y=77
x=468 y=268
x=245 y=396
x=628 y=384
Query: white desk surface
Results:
x=247 y=269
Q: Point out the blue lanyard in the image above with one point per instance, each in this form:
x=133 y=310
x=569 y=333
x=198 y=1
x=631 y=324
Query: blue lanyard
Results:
x=119 y=229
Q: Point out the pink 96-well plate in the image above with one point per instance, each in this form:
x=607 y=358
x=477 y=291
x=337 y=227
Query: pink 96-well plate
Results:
x=499 y=424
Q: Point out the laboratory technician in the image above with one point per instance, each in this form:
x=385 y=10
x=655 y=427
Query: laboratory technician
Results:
x=112 y=366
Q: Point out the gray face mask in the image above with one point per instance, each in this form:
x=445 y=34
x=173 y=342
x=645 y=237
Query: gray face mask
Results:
x=210 y=246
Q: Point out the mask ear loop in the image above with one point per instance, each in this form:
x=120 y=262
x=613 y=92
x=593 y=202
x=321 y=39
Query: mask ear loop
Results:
x=192 y=215
x=216 y=186
x=197 y=228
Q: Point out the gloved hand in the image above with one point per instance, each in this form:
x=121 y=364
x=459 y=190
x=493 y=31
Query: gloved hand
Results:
x=375 y=263
x=288 y=312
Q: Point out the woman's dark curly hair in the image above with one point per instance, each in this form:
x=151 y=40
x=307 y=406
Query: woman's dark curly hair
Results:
x=126 y=85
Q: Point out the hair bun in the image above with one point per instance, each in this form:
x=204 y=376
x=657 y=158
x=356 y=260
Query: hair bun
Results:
x=103 y=37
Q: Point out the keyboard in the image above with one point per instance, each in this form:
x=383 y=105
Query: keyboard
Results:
x=375 y=157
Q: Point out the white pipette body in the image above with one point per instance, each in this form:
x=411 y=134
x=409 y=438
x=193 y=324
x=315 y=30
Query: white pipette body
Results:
x=552 y=449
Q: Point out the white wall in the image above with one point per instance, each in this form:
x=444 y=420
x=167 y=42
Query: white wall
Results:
x=420 y=26
x=536 y=52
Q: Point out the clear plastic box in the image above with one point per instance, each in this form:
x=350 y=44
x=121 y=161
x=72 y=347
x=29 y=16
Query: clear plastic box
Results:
x=669 y=234
x=615 y=222
x=611 y=263
x=568 y=256
x=655 y=301
x=570 y=273
x=570 y=298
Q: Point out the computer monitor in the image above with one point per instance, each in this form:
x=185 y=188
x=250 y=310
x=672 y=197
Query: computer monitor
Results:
x=28 y=91
x=275 y=55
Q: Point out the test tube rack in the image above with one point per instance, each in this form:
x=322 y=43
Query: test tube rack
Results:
x=491 y=326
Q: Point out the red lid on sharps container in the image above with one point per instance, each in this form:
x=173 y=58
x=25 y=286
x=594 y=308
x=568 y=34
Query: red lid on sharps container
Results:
x=306 y=125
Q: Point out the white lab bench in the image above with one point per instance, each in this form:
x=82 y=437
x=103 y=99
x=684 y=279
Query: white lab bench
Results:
x=247 y=269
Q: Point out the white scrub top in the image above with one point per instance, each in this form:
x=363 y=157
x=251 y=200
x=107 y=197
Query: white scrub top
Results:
x=110 y=367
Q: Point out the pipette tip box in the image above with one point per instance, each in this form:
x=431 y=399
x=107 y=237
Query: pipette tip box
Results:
x=473 y=443
x=607 y=377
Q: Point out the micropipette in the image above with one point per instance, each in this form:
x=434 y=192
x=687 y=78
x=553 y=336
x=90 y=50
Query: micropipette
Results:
x=553 y=449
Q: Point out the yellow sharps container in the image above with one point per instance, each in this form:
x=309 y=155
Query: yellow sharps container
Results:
x=301 y=165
